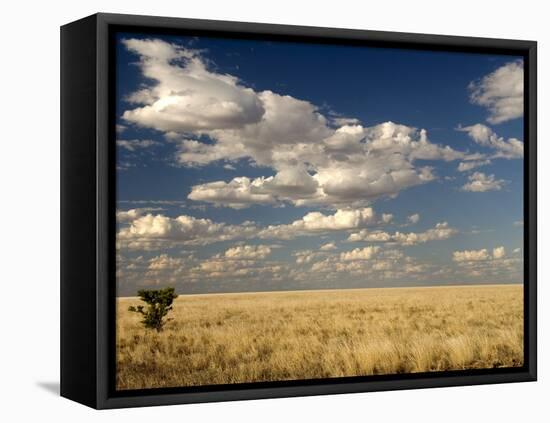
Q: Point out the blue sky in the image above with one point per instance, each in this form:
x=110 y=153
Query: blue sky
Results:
x=252 y=165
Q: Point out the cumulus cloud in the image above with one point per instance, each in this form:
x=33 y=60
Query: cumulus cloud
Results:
x=387 y=217
x=288 y=133
x=150 y=232
x=248 y=252
x=370 y=236
x=486 y=265
x=360 y=253
x=340 y=220
x=291 y=184
x=237 y=270
x=353 y=166
x=187 y=269
x=165 y=262
x=414 y=218
x=392 y=264
x=486 y=137
x=214 y=117
x=371 y=262
x=241 y=262
x=318 y=223
x=480 y=182
x=467 y=166
x=236 y=263
x=330 y=163
x=328 y=247
x=239 y=193
x=499 y=252
x=308 y=256
x=479 y=255
x=125 y=216
x=157 y=231
x=440 y=232
x=407 y=141
x=471 y=255
x=185 y=96
x=501 y=92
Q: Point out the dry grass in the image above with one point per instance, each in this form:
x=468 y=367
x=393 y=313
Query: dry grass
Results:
x=232 y=338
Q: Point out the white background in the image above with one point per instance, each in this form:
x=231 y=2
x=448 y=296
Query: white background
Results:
x=29 y=237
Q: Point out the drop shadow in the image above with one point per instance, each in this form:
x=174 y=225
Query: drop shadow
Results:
x=51 y=387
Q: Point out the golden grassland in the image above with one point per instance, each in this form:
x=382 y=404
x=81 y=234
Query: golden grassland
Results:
x=251 y=337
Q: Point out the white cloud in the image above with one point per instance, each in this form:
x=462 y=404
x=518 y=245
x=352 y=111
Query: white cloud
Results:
x=501 y=92
x=158 y=231
x=133 y=145
x=341 y=170
x=370 y=236
x=244 y=265
x=308 y=256
x=403 y=140
x=328 y=247
x=214 y=117
x=414 y=218
x=291 y=184
x=479 y=255
x=150 y=232
x=248 y=252
x=371 y=262
x=359 y=254
x=317 y=223
x=499 y=252
x=239 y=193
x=471 y=255
x=387 y=217
x=486 y=137
x=518 y=223
x=346 y=138
x=185 y=96
x=440 y=232
x=482 y=265
x=237 y=263
x=480 y=182
x=165 y=262
x=125 y=216
x=467 y=166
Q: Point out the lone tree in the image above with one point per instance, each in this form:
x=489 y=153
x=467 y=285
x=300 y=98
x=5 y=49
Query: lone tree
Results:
x=159 y=303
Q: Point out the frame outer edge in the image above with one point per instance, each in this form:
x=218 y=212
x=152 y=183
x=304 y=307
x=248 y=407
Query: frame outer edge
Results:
x=103 y=212
x=532 y=228
x=103 y=311
x=78 y=241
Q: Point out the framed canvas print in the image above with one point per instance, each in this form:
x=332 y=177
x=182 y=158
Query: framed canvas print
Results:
x=254 y=211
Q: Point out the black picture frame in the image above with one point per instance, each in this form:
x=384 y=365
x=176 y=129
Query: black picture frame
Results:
x=88 y=211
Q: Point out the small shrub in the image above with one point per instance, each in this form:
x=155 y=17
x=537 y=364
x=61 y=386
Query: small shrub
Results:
x=159 y=303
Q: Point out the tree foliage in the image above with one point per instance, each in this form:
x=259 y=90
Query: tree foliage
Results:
x=159 y=303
